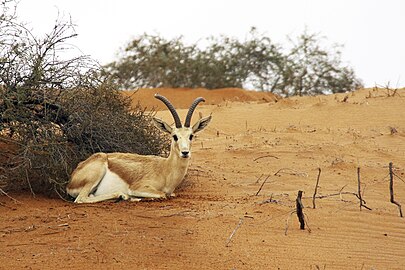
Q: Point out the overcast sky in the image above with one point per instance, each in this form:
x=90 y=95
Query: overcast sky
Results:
x=372 y=32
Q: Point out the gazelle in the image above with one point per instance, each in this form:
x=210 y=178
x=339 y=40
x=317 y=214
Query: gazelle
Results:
x=105 y=176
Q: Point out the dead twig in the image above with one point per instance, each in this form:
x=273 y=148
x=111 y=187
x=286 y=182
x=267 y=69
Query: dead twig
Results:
x=316 y=188
x=300 y=213
x=60 y=196
x=29 y=183
x=271 y=200
x=258 y=179
x=358 y=195
x=398 y=177
x=340 y=193
x=181 y=213
x=256 y=159
x=21 y=229
x=261 y=186
x=59 y=226
x=392 y=200
x=288 y=222
x=233 y=232
x=292 y=172
x=5 y=193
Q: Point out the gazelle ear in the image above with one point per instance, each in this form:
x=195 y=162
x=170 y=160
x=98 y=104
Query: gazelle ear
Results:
x=201 y=124
x=162 y=125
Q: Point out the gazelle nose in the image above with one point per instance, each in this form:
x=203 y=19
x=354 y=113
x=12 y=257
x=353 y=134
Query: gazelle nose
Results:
x=185 y=153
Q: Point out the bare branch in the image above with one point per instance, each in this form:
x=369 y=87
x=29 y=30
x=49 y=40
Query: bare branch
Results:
x=316 y=188
x=392 y=200
x=261 y=186
x=233 y=232
x=359 y=196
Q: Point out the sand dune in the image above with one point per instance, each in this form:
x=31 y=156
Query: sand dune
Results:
x=182 y=97
x=251 y=138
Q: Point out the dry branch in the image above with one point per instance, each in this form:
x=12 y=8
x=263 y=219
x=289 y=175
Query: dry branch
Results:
x=5 y=193
x=271 y=200
x=292 y=172
x=398 y=177
x=261 y=186
x=256 y=159
x=300 y=213
x=288 y=221
x=392 y=200
x=340 y=193
x=362 y=202
x=233 y=232
x=258 y=179
x=316 y=188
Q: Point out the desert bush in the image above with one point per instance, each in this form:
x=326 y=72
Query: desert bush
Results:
x=311 y=69
x=56 y=111
x=256 y=62
x=153 y=61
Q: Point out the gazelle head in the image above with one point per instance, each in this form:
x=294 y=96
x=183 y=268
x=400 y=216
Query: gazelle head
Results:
x=182 y=135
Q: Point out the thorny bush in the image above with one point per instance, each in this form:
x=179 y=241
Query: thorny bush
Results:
x=56 y=111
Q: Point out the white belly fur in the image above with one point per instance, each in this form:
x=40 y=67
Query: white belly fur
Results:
x=111 y=183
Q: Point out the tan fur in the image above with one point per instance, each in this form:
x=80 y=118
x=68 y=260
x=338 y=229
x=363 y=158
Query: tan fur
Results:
x=132 y=176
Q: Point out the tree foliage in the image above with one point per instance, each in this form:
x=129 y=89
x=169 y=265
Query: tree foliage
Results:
x=57 y=110
x=256 y=62
x=310 y=69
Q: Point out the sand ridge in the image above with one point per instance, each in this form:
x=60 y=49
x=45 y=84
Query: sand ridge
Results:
x=183 y=97
x=247 y=141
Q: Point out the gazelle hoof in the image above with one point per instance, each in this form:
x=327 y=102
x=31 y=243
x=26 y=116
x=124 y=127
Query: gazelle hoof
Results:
x=124 y=197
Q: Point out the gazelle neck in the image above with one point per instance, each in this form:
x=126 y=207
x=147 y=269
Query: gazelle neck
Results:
x=176 y=161
x=178 y=168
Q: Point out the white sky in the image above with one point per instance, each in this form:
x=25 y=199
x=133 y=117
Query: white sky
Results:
x=372 y=31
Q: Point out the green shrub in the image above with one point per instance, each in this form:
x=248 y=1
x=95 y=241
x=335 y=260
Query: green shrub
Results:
x=257 y=62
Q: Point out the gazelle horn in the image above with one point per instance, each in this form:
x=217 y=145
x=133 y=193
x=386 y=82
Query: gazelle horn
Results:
x=191 y=111
x=171 y=109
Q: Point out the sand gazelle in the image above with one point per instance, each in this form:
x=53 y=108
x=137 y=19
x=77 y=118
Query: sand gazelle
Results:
x=105 y=176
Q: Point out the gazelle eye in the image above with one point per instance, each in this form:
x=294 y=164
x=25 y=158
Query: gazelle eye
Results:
x=191 y=137
x=175 y=138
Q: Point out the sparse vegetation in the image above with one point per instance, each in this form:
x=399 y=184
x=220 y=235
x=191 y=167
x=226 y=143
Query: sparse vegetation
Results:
x=257 y=62
x=56 y=111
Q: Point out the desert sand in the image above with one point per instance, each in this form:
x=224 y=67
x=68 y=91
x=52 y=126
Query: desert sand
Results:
x=233 y=208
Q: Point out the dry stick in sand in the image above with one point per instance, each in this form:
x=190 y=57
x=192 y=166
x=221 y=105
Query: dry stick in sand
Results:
x=5 y=193
x=292 y=172
x=340 y=193
x=392 y=200
x=316 y=188
x=283 y=169
x=258 y=179
x=256 y=159
x=288 y=221
x=264 y=182
x=233 y=232
x=300 y=213
x=362 y=202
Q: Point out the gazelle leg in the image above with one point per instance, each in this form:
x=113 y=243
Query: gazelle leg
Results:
x=100 y=198
x=147 y=192
x=87 y=177
x=85 y=197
